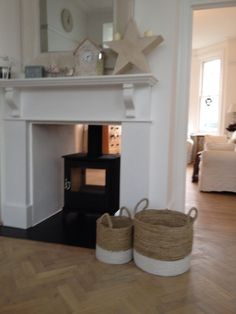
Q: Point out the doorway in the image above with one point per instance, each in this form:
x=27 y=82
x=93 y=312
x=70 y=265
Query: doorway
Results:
x=212 y=70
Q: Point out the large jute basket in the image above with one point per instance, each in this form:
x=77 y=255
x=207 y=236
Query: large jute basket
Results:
x=114 y=243
x=163 y=239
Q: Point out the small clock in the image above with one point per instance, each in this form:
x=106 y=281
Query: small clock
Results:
x=88 y=59
x=66 y=20
x=87 y=56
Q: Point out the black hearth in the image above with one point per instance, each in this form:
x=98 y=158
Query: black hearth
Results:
x=91 y=188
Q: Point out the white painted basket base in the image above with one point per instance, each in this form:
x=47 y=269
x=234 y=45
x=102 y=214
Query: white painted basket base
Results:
x=111 y=257
x=162 y=268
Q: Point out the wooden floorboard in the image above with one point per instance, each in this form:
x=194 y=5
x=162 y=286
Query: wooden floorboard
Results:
x=46 y=278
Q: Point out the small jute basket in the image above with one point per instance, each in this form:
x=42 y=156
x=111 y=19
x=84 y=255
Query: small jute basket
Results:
x=163 y=239
x=115 y=238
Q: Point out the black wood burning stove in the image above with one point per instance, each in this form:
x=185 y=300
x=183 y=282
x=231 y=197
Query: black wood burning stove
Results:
x=91 y=188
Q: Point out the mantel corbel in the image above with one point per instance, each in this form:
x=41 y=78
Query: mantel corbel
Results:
x=12 y=97
x=128 y=97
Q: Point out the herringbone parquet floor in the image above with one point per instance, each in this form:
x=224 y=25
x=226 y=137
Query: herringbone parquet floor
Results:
x=48 y=278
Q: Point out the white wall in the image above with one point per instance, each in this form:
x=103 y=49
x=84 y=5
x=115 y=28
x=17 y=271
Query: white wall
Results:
x=162 y=18
x=47 y=168
x=231 y=73
x=9 y=45
x=171 y=19
x=1 y=153
x=194 y=95
x=10 y=31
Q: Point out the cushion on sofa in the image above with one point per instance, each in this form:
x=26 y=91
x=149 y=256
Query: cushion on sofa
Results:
x=215 y=138
x=219 y=146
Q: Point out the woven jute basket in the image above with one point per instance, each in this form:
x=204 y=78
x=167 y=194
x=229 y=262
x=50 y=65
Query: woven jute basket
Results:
x=115 y=238
x=163 y=235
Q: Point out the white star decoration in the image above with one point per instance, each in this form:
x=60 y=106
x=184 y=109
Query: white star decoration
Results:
x=132 y=49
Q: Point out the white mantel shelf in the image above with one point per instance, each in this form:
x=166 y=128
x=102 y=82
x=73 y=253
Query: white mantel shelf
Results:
x=127 y=83
x=103 y=80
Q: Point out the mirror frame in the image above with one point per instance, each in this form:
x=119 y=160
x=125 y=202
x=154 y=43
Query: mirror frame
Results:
x=30 y=25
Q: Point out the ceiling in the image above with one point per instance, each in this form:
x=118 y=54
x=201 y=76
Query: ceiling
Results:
x=213 y=26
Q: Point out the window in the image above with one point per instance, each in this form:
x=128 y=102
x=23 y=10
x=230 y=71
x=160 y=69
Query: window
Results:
x=209 y=118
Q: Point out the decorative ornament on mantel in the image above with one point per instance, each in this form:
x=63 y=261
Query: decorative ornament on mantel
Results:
x=88 y=58
x=132 y=49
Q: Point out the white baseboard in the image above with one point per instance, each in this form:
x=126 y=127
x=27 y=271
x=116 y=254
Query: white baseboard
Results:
x=16 y=216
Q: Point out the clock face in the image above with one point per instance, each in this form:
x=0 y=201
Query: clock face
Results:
x=87 y=56
x=66 y=20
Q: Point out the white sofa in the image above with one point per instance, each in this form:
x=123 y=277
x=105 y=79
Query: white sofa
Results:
x=217 y=171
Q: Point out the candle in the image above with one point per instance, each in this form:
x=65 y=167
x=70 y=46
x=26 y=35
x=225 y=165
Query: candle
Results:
x=117 y=36
x=148 y=33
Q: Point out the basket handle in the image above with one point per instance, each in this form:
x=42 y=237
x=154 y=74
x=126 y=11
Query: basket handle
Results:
x=108 y=218
x=125 y=209
x=193 y=209
x=143 y=200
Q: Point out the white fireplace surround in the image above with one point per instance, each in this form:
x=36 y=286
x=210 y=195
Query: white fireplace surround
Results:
x=38 y=115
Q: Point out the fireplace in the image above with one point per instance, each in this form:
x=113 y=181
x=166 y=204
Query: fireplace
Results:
x=91 y=185
x=27 y=198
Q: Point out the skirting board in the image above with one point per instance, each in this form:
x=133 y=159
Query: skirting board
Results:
x=16 y=216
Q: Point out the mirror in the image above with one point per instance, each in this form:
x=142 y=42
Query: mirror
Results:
x=64 y=23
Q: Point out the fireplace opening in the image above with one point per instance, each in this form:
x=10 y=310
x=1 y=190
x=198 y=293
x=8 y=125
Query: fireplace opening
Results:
x=66 y=204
